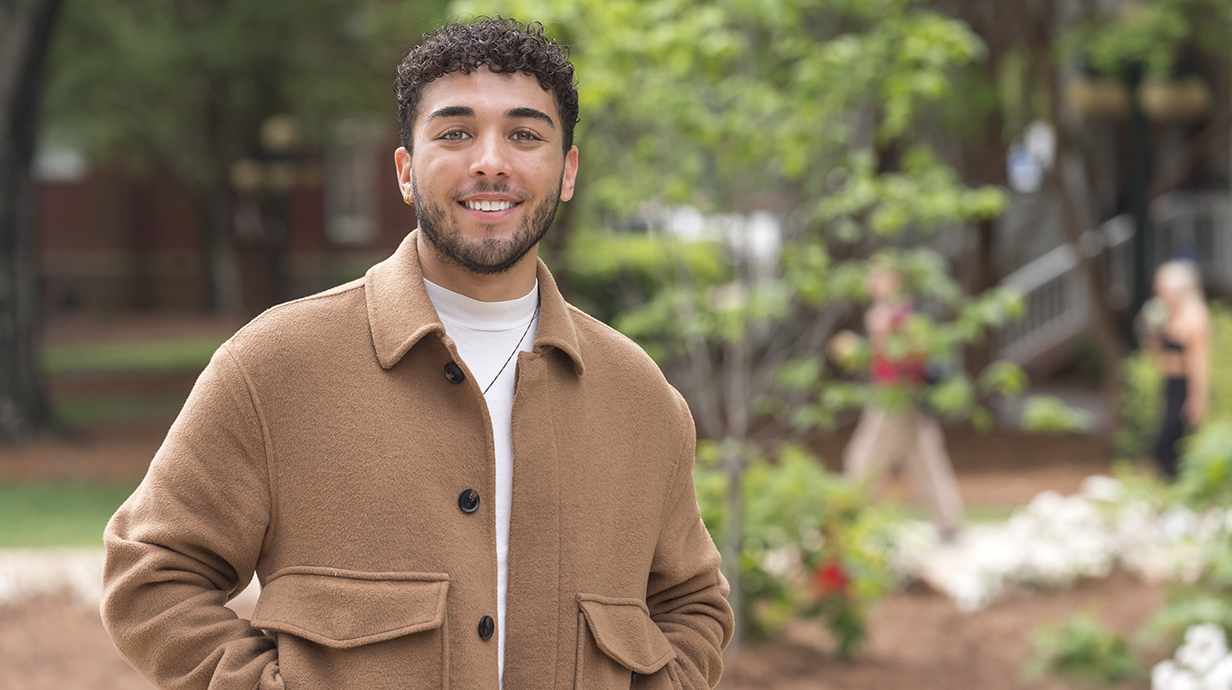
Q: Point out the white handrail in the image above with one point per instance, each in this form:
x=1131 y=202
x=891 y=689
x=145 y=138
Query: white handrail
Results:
x=1057 y=305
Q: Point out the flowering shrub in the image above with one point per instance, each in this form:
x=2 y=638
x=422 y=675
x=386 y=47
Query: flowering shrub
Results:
x=1202 y=663
x=1205 y=486
x=1205 y=598
x=812 y=544
x=843 y=613
x=1056 y=540
x=1206 y=466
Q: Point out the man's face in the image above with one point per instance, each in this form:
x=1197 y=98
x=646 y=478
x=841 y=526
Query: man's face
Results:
x=488 y=169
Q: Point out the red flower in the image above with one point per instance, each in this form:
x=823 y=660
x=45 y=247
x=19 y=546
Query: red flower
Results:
x=831 y=578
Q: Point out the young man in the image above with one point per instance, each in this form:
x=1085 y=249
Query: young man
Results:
x=443 y=475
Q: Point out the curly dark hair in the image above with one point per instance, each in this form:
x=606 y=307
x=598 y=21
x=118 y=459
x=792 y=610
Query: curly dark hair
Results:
x=502 y=45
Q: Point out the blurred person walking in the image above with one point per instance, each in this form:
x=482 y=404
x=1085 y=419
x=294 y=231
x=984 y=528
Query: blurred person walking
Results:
x=892 y=436
x=1178 y=338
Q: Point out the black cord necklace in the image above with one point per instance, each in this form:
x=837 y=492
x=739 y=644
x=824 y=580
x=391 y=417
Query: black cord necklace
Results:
x=515 y=349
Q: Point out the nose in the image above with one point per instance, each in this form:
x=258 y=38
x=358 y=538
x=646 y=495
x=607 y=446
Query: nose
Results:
x=492 y=158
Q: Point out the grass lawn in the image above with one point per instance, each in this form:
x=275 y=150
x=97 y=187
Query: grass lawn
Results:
x=163 y=355
x=973 y=514
x=85 y=412
x=58 y=513
x=120 y=359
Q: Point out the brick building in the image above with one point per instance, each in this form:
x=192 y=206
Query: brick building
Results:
x=112 y=241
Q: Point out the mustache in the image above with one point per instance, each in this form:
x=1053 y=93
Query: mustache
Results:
x=483 y=187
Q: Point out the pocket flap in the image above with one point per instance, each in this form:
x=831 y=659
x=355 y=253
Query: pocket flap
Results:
x=343 y=609
x=623 y=630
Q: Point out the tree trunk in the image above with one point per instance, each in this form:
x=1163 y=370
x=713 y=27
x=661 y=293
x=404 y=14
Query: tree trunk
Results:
x=981 y=275
x=735 y=371
x=224 y=285
x=25 y=37
x=733 y=540
x=1107 y=332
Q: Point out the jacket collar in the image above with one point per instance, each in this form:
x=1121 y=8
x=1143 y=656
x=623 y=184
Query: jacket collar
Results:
x=400 y=313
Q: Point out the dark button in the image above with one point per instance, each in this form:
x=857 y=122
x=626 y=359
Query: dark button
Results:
x=486 y=627
x=453 y=373
x=468 y=501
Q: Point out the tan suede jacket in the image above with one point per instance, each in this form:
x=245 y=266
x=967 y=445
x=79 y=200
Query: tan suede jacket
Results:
x=332 y=446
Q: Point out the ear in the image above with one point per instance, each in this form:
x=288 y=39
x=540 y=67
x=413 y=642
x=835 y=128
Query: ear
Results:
x=402 y=163
x=570 y=177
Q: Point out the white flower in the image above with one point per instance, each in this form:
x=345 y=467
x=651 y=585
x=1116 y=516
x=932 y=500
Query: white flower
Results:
x=1045 y=503
x=1167 y=675
x=1056 y=540
x=1100 y=488
x=780 y=562
x=1219 y=677
x=1205 y=646
x=1162 y=673
x=1177 y=523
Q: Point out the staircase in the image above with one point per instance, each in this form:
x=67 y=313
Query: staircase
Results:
x=1055 y=291
x=1197 y=225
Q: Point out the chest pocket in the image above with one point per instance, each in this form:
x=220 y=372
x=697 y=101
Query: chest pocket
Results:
x=619 y=646
x=342 y=629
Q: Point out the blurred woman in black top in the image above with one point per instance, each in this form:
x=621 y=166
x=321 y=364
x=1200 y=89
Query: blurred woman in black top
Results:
x=1179 y=340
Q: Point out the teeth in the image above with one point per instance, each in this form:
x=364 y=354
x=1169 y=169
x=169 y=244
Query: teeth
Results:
x=489 y=205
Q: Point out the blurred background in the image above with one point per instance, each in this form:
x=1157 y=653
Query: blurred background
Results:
x=171 y=168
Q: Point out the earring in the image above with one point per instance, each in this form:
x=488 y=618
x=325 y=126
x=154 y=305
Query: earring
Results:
x=408 y=201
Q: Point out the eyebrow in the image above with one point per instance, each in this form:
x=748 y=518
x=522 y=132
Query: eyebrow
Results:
x=520 y=113
x=513 y=114
x=451 y=111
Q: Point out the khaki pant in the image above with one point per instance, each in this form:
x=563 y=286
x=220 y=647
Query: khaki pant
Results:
x=884 y=439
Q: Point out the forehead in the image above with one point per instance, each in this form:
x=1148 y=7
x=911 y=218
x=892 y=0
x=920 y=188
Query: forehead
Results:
x=487 y=93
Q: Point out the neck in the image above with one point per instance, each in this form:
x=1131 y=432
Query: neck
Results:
x=512 y=284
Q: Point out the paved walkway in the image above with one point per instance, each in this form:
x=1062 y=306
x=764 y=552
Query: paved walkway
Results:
x=77 y=573
x=73 y=573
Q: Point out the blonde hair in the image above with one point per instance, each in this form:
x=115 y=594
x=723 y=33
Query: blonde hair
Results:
x=1181 y=277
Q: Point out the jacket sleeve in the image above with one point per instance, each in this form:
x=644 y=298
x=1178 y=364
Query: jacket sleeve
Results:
x=188 y=540
x=686 y=593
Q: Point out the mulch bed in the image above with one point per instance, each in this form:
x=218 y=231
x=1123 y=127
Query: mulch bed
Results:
x=917 y=640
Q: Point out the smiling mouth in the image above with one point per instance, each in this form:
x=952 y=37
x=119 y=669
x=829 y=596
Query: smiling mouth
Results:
x=489 y=205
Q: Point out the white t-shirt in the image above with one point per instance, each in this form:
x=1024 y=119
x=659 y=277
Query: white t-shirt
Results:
x=486 y=334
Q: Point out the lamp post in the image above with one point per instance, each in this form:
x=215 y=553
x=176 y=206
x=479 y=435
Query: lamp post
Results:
x=1137 y=189
x=1142 y=100
x=264 y=183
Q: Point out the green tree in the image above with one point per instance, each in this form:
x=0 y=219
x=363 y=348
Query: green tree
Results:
x=186 y=86
x=26 y=30
x=805 y=109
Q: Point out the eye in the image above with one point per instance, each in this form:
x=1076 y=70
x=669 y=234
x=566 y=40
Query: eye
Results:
x=455 y=135
x=523 y=135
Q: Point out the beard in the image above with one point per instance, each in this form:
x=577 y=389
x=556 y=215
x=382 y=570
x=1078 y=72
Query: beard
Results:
x=490 y=255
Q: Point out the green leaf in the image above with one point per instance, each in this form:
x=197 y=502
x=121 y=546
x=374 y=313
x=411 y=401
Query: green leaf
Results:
x=1049 y=414
x=1003 y=377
